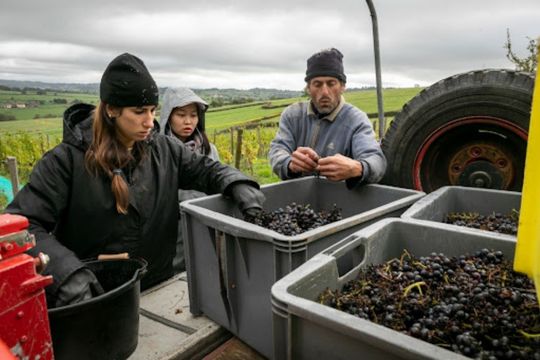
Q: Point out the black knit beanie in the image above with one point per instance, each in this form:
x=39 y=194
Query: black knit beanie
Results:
x=127 y=82
x=326 y=63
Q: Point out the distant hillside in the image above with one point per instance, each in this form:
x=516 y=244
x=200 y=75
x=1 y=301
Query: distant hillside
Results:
x=82 y=88
x=216 y=97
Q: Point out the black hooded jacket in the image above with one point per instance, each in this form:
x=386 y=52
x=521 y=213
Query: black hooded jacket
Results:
x=73 y=213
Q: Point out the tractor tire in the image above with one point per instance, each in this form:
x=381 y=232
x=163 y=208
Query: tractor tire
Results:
x=470 y=129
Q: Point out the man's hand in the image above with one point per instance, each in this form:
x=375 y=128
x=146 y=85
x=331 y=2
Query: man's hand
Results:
x=339 y=167
x=304 y=159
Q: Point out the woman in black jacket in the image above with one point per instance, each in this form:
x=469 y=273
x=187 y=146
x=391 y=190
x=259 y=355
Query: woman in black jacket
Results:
x=111 y=186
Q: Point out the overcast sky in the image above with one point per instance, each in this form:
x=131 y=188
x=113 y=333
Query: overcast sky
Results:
x=255 y=43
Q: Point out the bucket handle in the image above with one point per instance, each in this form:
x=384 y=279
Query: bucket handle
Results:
x=141 y=272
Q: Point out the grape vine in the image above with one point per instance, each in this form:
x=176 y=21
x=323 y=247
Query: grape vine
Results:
x=27 y=148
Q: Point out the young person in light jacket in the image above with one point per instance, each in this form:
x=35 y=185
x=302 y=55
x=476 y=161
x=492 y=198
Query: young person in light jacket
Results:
x=183 y=117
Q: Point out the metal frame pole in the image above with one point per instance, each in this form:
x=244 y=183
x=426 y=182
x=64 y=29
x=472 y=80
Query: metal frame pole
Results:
x=375 y=26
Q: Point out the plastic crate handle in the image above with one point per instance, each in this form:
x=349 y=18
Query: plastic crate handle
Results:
x=349 y=254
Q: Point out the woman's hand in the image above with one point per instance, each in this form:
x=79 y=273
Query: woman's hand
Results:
x=79 y=286
x=248 y=198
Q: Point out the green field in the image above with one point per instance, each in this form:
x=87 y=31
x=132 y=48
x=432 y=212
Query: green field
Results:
x=47 y=126
x=46 y=108
x=48 y=96
x=393 y=99
x=215 y=120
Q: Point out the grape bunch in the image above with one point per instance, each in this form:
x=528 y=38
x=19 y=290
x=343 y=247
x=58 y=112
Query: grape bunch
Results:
x=474 y=305
x=295 y=218
x=506 y=224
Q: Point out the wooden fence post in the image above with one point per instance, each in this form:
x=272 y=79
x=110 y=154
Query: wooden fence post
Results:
x=238 y=154
x=13 y=173
x=232 y=141
x=259 y=141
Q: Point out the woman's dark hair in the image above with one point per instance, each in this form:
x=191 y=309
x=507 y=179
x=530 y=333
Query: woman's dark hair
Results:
x=106 y=155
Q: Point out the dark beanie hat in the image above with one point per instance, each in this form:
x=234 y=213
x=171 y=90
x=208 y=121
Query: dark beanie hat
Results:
x=127 y=82
x=326 y=63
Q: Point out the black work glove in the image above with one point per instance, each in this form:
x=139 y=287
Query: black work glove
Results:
x=79 y=286
x=248 y=198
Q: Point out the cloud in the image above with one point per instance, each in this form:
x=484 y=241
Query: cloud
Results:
x=245 y=44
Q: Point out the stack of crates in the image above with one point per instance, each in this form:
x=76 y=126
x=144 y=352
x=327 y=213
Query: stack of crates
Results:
x=305 y=329
x=232 y=264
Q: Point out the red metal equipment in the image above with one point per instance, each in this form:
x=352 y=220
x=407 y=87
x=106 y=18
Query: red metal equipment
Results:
x=24 y=323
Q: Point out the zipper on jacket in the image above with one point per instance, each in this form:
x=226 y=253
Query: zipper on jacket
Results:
x=315 y=139
x=315 y=136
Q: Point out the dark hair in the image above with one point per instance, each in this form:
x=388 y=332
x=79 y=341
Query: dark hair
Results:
x=200 y=126
x=106 y=155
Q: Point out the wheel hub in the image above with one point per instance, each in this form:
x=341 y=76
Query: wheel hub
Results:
x=481 y=165
x=481 y=174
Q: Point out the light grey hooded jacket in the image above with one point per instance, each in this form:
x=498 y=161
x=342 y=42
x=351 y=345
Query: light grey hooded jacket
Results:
x=173 y=98
x=178 y=97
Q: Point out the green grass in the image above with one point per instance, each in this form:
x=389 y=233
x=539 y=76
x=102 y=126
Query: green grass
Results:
x=225 y=119
x=220 y=120
x=44 y=126
x=43 y=111
x=263 y=172
x=393 y=99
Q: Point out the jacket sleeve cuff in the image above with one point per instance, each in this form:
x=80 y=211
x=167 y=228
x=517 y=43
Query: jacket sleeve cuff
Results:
x=358 y=180
x=228 y=188
x=288 y=173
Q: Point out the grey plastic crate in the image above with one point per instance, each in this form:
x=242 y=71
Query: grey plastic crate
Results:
x=232 y=264
x=436 y=205
x=305 y=329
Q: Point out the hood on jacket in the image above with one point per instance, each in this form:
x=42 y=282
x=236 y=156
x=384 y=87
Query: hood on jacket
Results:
x=77 y=127
x=178 y=97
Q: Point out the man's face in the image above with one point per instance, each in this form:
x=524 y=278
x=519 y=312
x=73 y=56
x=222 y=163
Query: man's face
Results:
x=325 y=93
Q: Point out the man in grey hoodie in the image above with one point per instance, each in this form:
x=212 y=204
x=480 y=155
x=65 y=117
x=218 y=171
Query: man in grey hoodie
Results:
x=326 y=135
x=183 y=117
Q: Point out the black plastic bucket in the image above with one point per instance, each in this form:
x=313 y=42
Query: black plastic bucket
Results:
x=104 y=327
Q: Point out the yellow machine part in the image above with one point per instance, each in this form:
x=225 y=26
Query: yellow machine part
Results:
x=527 y=256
